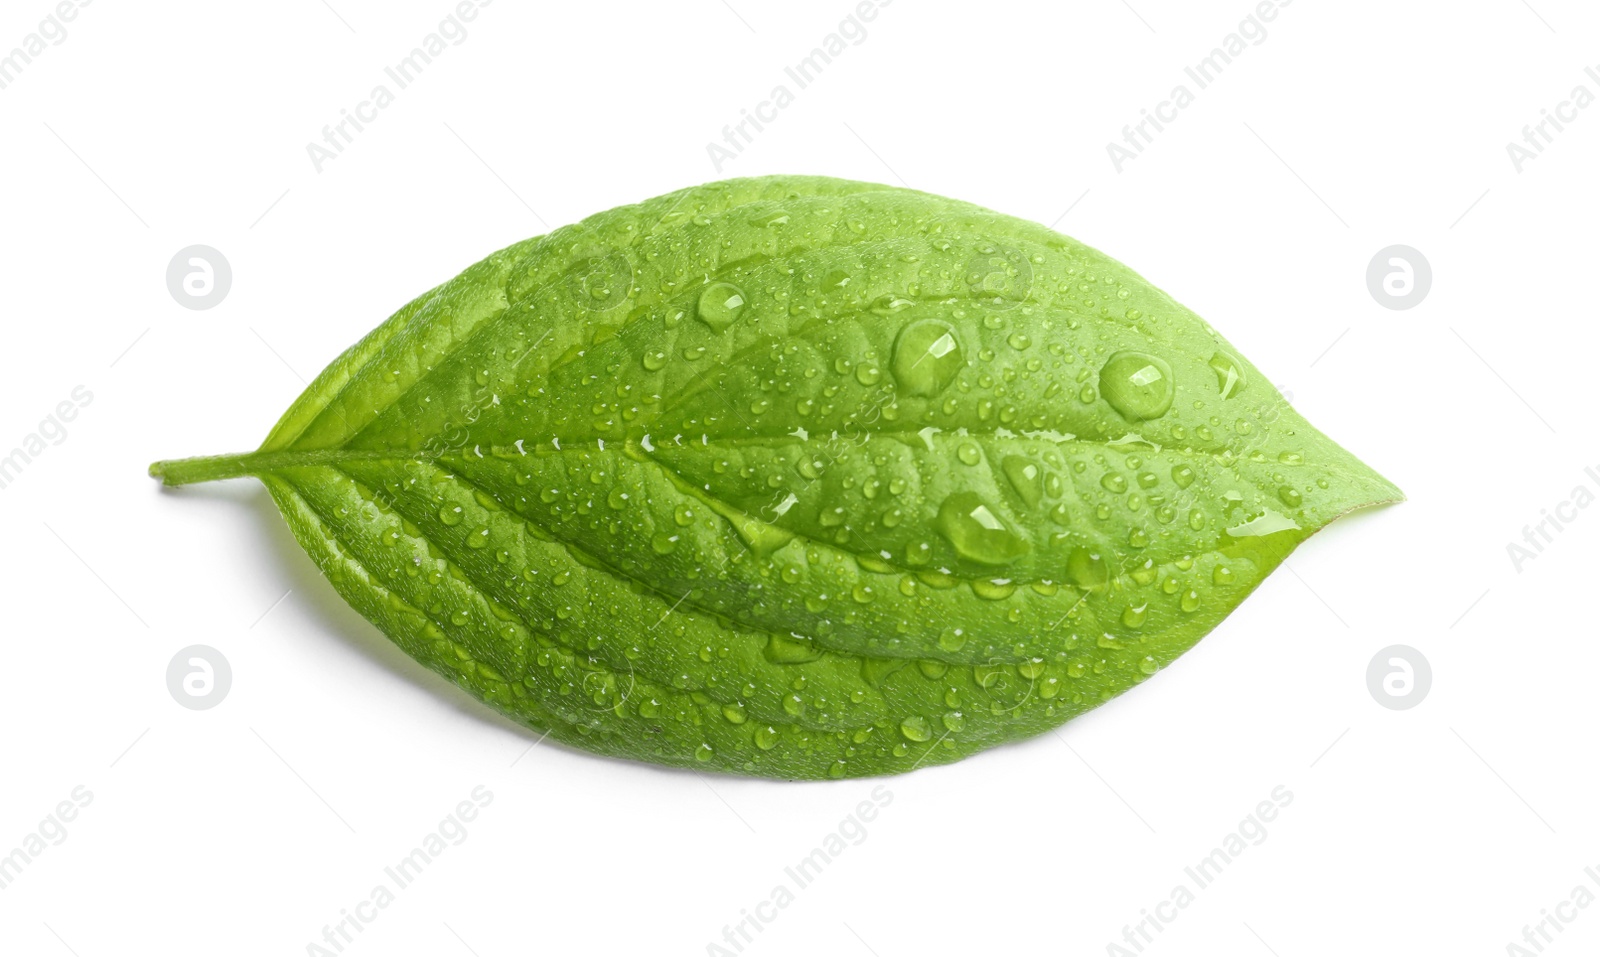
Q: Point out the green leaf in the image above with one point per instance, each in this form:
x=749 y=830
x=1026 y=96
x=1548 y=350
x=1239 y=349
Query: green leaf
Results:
x=796 y=477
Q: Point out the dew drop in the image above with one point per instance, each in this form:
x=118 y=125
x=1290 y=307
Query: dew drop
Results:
x=1025 y=477
x=993 y=590
x=927 y=357
x=790 y=650
x=1137 y=384
x=1230 y=374
x=975 y=531
x=916 y=728
x=721 y=303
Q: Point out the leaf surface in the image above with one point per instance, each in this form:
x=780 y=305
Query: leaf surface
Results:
x=797 y=477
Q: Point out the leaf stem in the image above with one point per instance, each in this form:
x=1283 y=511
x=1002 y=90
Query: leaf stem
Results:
x=206 y=468
x=209 y=468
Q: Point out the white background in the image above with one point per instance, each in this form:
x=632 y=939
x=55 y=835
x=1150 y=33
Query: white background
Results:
x=1353 y=126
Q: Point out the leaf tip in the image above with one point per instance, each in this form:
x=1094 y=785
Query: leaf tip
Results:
x=1388 y=493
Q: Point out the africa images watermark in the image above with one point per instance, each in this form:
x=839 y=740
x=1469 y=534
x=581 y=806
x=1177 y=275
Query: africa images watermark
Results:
x=451 y=831
x=51 y=832
x=1537 y=136
x=1542 y=534
x=850 y=832
x=52 y=31
x=1554 y=920
x=852 y=31
x=1252 y=31
x=1252 y=831
x=52 y=430
x=452 y=31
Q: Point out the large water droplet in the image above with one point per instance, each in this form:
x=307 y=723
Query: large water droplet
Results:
x=997 y=589
x=976 y=532
x=1137 y=384
x=720 y=304
x=790 y=650
x=927 y=357
x=916 y=728
x=1025 y=477
x=1230 y=374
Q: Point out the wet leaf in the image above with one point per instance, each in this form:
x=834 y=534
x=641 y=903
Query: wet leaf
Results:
x=796 y=477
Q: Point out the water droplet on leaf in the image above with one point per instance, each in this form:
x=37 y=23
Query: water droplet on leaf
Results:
x=1137 y=384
